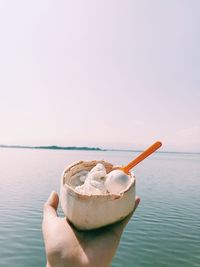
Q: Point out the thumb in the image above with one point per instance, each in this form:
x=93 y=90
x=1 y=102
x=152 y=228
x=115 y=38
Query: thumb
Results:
x=51 y=205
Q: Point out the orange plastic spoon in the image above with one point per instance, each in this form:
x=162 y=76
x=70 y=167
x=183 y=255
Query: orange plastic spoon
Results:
x=141 y=157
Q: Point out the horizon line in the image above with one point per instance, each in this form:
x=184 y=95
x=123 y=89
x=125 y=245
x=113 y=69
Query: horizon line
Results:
x=87 y=148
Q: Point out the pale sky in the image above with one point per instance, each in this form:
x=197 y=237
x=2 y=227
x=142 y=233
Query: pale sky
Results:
x=114 y=74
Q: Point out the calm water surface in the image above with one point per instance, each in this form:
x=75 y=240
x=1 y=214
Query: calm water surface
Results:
x=165 y=230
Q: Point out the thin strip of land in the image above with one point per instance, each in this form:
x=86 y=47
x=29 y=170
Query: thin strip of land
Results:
x=85 y=148
x=54 y=147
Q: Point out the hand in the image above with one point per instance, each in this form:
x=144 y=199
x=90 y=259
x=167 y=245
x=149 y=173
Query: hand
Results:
x=67 y=247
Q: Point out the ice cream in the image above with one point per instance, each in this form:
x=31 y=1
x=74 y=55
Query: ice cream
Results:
x=93 y=181
x=98 y=182
x=116 y=181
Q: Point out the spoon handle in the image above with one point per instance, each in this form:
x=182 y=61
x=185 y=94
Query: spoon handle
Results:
x=141 y=157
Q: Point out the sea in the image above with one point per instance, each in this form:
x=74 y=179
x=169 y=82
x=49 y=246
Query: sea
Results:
x=164 y=231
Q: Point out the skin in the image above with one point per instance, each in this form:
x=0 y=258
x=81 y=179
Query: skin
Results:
x=67 y=247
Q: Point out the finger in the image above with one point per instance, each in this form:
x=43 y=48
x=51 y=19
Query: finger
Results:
x=126 y=220
x=119 y=227
x=137 y=201
x=50 y=207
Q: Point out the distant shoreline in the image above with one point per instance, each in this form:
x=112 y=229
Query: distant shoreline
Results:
x=85 y=148
x=55 y=147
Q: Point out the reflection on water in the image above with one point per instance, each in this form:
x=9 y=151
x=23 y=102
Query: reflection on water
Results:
x=165 y=231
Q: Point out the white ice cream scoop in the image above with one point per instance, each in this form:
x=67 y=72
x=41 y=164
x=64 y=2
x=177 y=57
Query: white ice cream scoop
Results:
x=118 y=180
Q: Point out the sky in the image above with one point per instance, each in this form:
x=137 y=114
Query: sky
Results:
x=112 y=74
